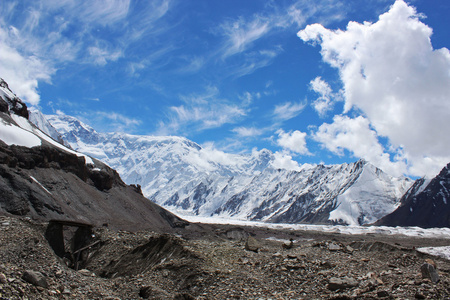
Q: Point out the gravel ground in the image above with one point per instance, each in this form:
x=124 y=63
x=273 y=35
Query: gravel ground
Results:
x=220 y=262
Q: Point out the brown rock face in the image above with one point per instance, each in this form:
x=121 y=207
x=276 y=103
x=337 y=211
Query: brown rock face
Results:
x=47 y=183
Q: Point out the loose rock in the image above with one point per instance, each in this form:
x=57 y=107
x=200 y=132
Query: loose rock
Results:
x=383 y=294
x=252 y=244
x=334 y=247
x=3 y=278
x=35 y=278
x=341 y=283
x=429 y=272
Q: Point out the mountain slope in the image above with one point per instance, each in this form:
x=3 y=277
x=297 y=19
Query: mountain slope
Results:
x=44 y=180
x=426 y=204
x=38 y=119
x=188 y=179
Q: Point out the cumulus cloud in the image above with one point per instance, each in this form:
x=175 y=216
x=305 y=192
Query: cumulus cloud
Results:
x=283 y=160
x=324 y=103
x=356 y=136
x=391 y=73
x=294 y=141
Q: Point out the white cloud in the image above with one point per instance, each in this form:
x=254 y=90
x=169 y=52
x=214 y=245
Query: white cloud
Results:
x=241 y=34
x=200 y=112
x=392 y=74
x=288 y=110
x=283 y=160
x=324 y=103
x=22 y=72
x=209 y=116
x=102 y=12
x=248 y=131
x=194 y=64
x=39 y=37
x=356 y=136
x=109 y=121
x=101 y=56
x=255 y=60
x=326 y=11
x=294 y=141
x=212 y=154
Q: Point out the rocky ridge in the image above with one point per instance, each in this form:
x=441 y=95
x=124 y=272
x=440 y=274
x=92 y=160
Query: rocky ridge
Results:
x=426 y=204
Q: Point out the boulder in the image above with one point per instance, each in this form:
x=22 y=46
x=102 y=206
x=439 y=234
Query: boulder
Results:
x=341 y=283
x=429 y=272
x=252 y=244
x=36 y=278
x=334 y=247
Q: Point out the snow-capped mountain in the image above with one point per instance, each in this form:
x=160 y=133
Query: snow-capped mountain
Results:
x=37 y=118
x=42 y=179
x=188 y=179
x=426 y=204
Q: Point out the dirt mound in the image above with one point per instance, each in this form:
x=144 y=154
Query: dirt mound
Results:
x=145 y=257
x=374 y=246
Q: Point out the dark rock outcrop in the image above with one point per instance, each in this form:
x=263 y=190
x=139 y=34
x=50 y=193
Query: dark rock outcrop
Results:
x=47 y=183
x=427 y=208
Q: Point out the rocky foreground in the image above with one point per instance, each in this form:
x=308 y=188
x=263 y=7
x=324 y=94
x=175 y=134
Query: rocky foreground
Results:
x=213 y=262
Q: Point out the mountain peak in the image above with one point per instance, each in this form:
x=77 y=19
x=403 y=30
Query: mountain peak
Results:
x=426 y=204
x=9 y=102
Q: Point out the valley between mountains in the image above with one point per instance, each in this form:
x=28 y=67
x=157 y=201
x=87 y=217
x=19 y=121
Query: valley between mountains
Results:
x=70 y=228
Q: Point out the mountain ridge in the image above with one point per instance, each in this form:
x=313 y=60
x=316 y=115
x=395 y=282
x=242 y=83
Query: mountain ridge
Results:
x=188 y=179
x=426 y=204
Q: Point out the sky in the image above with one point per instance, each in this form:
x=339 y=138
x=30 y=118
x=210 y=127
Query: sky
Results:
x=325 y=81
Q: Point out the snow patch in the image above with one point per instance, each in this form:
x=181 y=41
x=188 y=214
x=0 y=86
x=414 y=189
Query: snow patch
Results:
x=14 y=135
x=43 y=187
x=25 y=134
x=6 y=93
x=443 y=252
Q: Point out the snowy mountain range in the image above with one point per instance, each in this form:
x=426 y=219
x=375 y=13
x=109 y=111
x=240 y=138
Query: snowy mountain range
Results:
x=190 y=180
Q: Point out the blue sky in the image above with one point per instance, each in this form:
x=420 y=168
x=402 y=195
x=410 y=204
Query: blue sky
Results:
x=324 y=81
